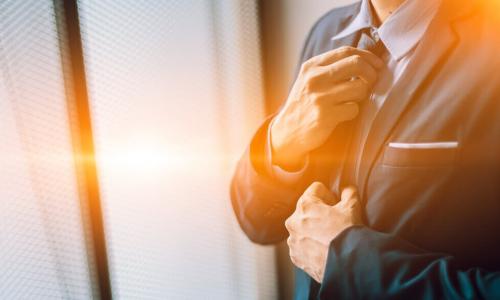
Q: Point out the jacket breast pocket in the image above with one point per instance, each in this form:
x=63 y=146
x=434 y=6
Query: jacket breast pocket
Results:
x=434 y=154
x=409 y=188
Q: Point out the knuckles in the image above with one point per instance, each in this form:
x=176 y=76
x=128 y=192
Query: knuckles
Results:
x=311 y=80
x=356 y=59
x=308 y=83
x=303 y=206
x=361 y=88
x=306 y=66
x=317 y=107
x=345 y=50
x=289 y=223
x=294 y=260
x=306 y=200
x=315 y=188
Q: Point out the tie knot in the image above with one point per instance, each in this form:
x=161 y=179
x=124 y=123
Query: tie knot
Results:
x=374 y=34
x=370 y=40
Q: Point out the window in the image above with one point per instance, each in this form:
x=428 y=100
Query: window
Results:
x=44 y=252
x=174 y=92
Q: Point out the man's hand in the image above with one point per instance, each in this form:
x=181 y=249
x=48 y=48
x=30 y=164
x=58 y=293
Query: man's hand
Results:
x=314 y=224
x=325 y=94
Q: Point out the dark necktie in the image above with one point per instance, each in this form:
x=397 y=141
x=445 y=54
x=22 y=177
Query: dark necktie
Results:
x=370 y=41
x=368 y=109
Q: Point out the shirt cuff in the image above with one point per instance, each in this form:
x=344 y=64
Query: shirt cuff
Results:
x=276 y=171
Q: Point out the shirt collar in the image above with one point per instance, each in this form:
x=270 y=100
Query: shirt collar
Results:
x=362 y=20
x=402 y=31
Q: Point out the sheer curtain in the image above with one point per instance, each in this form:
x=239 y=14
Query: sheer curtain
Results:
x=45 y=252
x=176 y=91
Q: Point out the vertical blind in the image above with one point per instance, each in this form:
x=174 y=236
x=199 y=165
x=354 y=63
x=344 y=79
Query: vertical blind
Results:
x=43 y=246
x=165 y=78
x=175 y=92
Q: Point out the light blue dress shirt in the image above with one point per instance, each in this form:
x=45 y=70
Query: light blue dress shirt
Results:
x=400 y=33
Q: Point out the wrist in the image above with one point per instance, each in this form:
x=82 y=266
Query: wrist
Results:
x=286 y=159
x=283 y=153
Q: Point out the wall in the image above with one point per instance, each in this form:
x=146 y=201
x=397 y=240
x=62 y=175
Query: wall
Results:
x=285 y=24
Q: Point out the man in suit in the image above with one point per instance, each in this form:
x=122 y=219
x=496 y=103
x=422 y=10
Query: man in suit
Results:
x=383 y=165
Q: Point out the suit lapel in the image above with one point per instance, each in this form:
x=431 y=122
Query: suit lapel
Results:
x=431 y=51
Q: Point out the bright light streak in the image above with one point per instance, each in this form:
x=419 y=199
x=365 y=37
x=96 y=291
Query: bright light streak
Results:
x=137 y=157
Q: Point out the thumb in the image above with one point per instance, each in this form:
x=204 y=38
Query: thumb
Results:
x=350 y=200
x=319 y=190
x=349 y=196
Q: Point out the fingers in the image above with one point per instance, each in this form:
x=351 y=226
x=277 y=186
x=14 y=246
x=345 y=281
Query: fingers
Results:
x=353 y=67
x=344 y=71
x=355 y=90
x=316 y=196
x=308 y=255
x=319 y=191
x=335 y=55
x=289 y=224
x=349 y=193
x=350 y=200
x=294 y=256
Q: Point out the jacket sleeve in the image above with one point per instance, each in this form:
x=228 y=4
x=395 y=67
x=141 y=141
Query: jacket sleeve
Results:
x=365 y=264
x=260 y=200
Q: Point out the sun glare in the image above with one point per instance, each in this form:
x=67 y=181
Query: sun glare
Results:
x=137 y=157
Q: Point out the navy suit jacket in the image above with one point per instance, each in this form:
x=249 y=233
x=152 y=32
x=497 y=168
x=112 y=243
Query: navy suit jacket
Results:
x=432 y=215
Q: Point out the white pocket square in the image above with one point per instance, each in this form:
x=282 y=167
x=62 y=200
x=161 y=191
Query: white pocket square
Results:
x=432 y=145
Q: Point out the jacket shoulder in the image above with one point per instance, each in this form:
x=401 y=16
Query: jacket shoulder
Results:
x=481 y=34
x=327 y=26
